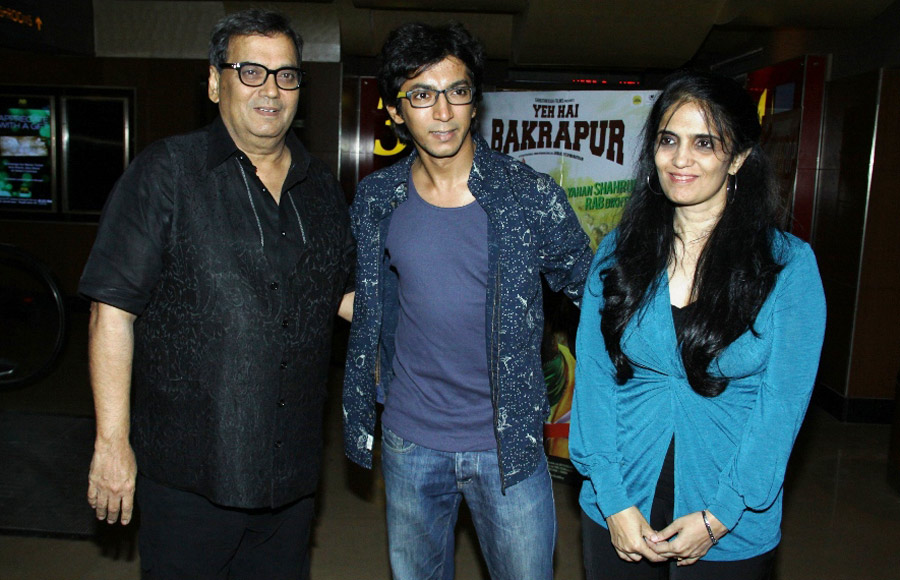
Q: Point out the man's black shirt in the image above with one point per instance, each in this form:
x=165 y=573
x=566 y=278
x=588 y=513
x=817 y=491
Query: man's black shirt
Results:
x=235 y=297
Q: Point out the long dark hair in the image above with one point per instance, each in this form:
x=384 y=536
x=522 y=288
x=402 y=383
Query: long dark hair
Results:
x=736 y=270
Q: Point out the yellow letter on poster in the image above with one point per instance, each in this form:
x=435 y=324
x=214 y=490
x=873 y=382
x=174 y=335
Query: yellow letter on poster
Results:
x=379 y=148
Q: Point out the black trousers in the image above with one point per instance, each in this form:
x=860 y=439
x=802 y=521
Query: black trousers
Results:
x=184 y=535
x=602 y=563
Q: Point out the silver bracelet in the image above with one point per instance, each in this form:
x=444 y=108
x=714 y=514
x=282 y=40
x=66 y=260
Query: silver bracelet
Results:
x=709 y=528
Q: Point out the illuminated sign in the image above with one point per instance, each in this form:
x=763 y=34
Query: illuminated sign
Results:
x=48 y=26
x=21 y=18
x=26 y=163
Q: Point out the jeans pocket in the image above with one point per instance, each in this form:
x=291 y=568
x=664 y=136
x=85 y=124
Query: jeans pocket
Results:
x=394 y=443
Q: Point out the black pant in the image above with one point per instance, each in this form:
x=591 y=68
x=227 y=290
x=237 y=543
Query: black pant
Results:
x=601 y=562
x=184 y=535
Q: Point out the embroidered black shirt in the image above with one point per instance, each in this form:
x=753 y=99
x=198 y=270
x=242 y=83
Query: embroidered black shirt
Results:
x=235 y=297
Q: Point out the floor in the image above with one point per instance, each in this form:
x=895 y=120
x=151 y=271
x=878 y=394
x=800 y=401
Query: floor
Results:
x=841 y=518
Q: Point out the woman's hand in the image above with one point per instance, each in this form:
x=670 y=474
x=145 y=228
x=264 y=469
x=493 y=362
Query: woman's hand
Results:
x=629 y=531
x=692 y=541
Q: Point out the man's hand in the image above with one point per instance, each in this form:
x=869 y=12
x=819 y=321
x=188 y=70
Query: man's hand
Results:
x=629 y=531
x=113 y=468
x=111 y=482
x=345 y=310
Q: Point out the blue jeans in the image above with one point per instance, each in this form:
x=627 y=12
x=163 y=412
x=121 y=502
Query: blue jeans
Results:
x=516 y=530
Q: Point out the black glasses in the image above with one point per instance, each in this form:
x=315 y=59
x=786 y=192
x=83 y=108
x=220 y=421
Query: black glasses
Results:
x=424 y=98
x=256 y=75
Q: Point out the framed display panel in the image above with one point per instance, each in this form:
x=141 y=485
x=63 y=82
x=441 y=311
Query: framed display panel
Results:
x=95 y=136
x=27 y=152
x=62 y=149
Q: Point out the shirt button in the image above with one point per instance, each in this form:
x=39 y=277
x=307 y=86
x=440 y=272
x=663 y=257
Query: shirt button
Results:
x=283 y=364
x=285 y=323
x=278 y=445
x=283 y=234
x=281 y=403
x=274 y=285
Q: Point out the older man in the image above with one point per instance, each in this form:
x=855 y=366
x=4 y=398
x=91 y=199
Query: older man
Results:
x=221 y=260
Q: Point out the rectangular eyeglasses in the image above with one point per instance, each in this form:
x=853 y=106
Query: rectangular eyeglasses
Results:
x=256 y=75
x=424 y=98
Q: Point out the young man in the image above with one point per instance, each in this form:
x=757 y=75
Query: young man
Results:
x=220 y=262
x=448 y=320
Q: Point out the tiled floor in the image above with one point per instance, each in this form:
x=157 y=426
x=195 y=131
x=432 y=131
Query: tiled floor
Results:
x=841 y=518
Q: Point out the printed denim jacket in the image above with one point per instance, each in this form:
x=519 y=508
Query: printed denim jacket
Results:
x=532 y=230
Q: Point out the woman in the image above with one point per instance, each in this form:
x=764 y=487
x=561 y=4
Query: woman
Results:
x=699 y=339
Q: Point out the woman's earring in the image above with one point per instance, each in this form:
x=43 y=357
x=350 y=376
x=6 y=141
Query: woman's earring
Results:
x=731 y=187
x=650 y=186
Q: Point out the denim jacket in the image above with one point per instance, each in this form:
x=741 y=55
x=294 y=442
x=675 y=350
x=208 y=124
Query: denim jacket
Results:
x=532 y=230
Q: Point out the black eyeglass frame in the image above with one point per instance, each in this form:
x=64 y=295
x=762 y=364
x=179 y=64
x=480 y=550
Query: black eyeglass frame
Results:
x=437 y=95
x=238 y=65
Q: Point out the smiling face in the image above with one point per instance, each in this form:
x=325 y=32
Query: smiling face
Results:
x=692 y=160
x=441 y=131
x=257 y=118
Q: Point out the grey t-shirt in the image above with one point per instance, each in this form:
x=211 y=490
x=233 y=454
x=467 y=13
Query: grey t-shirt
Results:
x=440 y=395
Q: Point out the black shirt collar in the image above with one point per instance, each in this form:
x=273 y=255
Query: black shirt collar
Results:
x=221 y=147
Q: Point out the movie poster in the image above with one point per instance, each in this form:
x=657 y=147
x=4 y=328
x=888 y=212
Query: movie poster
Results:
x=25 y=153
x=588 y=142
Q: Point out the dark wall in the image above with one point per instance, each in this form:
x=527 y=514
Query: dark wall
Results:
x=170 y=98
x=170 y=94
x=841 y=215
x=876 y=345
x=857 y=244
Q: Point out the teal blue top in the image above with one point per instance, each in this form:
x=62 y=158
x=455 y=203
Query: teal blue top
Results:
x=731 y=450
